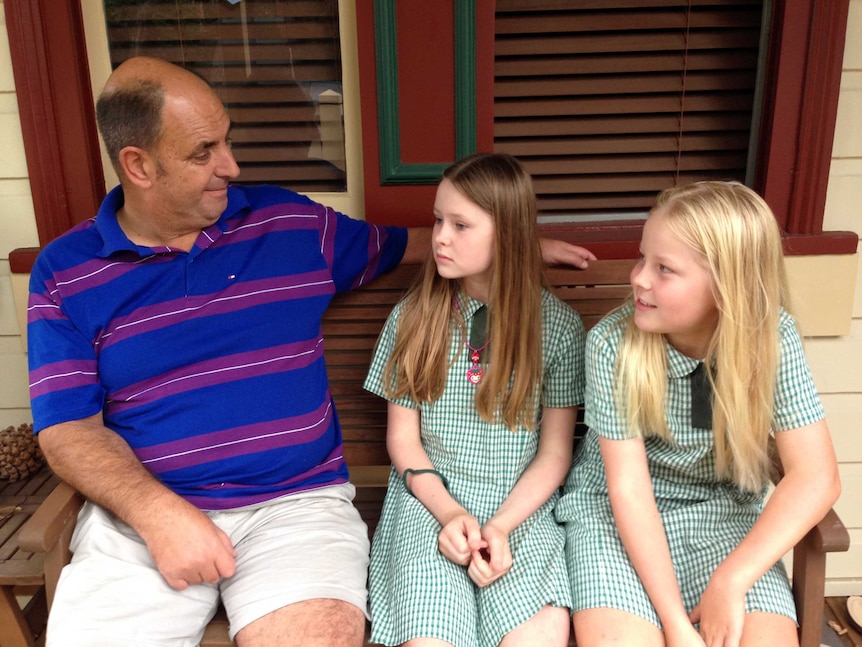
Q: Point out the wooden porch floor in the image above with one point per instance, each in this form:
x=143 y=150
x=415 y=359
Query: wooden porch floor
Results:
x=836 y=616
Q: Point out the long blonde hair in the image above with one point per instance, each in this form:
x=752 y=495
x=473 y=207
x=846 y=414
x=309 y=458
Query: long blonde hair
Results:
x=735 y=233
x=499 y=185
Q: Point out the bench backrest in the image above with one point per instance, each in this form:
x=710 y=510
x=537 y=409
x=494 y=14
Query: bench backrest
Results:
x=350 y=329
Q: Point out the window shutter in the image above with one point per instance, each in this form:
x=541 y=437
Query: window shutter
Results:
x=276 y=64
x=607 y=102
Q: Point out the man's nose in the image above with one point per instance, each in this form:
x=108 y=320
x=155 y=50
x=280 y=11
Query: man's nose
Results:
x=227 y=165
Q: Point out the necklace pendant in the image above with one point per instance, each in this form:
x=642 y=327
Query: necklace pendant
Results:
x=475 y=374
x=475 y=357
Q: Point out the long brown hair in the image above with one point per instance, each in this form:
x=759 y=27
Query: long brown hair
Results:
x=499 y=185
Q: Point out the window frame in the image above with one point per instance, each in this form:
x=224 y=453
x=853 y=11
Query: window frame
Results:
x=54 y=92
x=800 y=105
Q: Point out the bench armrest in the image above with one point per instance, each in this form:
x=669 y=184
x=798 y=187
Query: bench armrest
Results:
x=830 y=535
x=45 y=527
x=809 y=574
x=809 y=563
x=49 y=530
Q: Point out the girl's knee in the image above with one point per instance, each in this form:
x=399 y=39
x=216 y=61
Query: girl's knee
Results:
x=550 y=626
x=426 y=642
x=608 y=627
x=769 y=630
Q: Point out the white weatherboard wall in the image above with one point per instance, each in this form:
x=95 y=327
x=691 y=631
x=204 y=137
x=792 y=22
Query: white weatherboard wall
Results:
x=17 y=229
x=837 y=362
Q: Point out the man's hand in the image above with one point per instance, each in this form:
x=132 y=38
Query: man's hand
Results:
x=559 y=252
x=188 y=548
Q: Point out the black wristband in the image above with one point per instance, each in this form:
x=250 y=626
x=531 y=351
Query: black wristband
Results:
x=411 y=471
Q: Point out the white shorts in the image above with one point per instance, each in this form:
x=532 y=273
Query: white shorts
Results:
x=300 y=547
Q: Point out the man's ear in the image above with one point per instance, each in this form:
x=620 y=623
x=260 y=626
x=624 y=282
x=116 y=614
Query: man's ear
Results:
x=138 y=165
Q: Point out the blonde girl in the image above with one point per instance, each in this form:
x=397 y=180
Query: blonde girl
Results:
x=668 y=539
x=483 y=370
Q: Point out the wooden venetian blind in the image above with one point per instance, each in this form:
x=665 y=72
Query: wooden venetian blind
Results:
x=608 y=102
x=276 y=64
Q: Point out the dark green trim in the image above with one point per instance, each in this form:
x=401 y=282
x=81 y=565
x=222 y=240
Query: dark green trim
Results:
x=392 y=169
x=465 y=78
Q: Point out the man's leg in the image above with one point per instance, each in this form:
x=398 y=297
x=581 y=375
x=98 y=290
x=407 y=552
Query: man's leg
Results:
x=112 y=594
x=313 y=623
x=301 y=571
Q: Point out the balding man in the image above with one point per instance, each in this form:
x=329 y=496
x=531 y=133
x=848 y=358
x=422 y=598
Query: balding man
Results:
x=178 y=382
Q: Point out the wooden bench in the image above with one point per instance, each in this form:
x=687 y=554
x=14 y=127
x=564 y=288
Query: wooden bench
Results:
x=351 y=326
x=22 y=572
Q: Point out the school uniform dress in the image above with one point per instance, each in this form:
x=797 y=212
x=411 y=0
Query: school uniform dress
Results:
x=703 y=519
x=414 y=590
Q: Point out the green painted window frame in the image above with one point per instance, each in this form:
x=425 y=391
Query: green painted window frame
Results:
x=392 y=169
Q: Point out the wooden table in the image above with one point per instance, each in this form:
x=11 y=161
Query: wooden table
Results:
x=21 y=571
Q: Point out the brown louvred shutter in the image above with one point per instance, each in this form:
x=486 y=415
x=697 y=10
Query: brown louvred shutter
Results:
x=607 y=102
x=276 y=64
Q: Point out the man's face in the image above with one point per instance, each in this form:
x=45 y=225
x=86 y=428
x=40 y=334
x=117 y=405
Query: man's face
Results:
x=194 y=162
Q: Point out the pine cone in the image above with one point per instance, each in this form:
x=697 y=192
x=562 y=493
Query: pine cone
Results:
x=19 y=453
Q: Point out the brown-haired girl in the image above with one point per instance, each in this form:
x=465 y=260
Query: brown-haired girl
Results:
x=482 y=368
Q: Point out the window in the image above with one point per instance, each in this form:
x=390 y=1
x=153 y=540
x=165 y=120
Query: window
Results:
x=607 y=103
x=276 y=64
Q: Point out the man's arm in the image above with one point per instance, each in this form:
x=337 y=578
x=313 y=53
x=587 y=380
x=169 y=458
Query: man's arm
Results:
x=185 y=545
x=559 y=252
x=554 y=251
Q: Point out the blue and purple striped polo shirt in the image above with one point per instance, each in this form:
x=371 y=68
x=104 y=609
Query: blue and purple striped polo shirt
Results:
x=209 y=363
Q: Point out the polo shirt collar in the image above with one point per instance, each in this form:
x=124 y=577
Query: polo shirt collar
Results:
x=114 y=239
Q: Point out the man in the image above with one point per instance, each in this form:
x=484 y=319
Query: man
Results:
x=178 y=382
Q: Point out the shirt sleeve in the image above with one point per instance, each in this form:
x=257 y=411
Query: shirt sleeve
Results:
x=357 y=251
x=64 y=380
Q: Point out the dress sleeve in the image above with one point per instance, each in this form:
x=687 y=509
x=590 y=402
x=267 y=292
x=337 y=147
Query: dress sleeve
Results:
x=563 y=347
x=601 y=414
x=797 y=402
x=382 y=352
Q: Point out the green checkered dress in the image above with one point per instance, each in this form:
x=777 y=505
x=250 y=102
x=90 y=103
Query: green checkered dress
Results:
x=703 y=519
x=414 y=590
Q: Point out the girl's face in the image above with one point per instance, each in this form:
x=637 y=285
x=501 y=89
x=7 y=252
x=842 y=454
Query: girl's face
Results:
x=673 y=290
x=463 y=241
